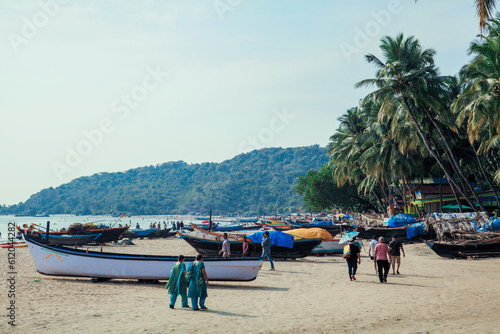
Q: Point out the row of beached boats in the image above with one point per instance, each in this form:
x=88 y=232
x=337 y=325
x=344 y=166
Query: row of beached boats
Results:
x=52 y=258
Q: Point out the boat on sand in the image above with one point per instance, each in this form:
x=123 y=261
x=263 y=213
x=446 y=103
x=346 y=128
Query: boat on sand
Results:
x=207 y=247
x=63 y=261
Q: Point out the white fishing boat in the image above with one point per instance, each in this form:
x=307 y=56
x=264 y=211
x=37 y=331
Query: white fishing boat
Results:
x=63 y=261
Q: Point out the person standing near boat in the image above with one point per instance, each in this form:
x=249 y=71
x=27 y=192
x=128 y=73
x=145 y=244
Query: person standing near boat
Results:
x=246 y=247
x=381 y=256
x=396 y=247
x=354 y=259
x=177 y=283
x=198 y=283
x=226 y=247
x=266 y=248
x=371 y=251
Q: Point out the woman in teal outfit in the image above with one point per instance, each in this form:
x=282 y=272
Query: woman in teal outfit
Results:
x=198 y=283
x=177 y=284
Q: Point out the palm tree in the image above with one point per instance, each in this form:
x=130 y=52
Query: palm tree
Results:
x=479 y=105
x=484 y=11
x=405 y=82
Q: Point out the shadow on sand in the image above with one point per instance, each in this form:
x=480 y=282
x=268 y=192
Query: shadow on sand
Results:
x=245 y=287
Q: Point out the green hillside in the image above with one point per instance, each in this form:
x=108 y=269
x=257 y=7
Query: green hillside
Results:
x=258 y=182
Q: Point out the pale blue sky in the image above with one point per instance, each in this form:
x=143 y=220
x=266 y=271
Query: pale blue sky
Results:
x=242 y=76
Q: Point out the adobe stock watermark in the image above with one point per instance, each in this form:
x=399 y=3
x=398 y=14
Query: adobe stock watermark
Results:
x=362 y=38
x=32 y=25
x=266 y=135
x=121 y=107
x=221 y=7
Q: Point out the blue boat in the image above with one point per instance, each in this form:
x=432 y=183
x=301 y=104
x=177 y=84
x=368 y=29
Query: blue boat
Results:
x=227 y=228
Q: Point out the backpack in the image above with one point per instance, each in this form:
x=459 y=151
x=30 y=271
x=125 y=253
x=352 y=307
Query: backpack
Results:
x=347 y=251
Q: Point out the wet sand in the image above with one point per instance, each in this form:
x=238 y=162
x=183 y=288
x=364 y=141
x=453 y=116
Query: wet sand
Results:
x=310 y=295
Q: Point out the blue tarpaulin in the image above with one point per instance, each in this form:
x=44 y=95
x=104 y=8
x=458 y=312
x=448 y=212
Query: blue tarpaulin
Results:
x=415 y=229
x=323 y=223
x=277 y=238
x=400 y=220
x=490 y=226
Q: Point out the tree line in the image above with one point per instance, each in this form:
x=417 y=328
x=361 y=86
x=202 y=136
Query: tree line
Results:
x=416 y=123
x=259 y=182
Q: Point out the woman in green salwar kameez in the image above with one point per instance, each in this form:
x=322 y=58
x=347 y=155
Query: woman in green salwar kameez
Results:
x=177 y=283
x=198 y=283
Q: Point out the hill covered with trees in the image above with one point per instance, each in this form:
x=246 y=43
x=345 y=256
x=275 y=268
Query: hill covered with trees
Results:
x=258 y=182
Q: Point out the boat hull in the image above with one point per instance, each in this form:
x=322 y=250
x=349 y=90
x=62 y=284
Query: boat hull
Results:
x=301 y=248
x=454 y=251
x=66 y=240
x=62 y=261
x=386 y=232
x=105 y=235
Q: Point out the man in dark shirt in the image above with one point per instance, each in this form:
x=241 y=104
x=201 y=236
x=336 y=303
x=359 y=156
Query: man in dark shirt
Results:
x=396 y=247
x=353 y=259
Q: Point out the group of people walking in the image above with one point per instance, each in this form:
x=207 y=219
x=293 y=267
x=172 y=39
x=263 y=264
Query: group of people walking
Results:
x=196 y=275
x=177 y=284
x=382 y=255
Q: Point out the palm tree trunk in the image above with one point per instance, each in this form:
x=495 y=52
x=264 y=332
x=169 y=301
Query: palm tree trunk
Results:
x=433 y=153
x=454 y=163
x=484 y=174
x=386 y=197
x=384 y=209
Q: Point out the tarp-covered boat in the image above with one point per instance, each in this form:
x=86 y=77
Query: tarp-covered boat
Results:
x=62 y=261
x=206 y=247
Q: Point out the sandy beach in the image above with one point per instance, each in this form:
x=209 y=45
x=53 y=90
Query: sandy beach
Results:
x=310 y=295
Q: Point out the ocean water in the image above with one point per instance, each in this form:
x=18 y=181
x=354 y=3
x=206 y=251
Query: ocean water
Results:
x=57 y=222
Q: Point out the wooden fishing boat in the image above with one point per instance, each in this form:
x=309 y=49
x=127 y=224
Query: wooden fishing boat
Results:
x=227 y=228
x=380 y=231
x=105 y=234
x=326 y=247
x=65 y=240
x=63 y=261
x=149 y=233
x=466 y=248
x=207 y=247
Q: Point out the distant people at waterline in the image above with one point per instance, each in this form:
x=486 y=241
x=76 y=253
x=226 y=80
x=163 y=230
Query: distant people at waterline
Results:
x=137 y=227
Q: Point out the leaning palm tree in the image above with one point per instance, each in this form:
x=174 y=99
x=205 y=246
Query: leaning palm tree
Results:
x=404 y=82
x=479 y=105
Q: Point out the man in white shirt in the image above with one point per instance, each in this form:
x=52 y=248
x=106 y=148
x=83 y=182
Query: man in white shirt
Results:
x=226 y=247
x=371 y=250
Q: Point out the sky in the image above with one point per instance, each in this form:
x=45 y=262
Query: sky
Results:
x=108 y=85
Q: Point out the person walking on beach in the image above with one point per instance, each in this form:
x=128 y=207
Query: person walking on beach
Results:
x=226 y=247
x=396 y=247
x=354 y=259
x=371 y=251
x=198 y=283
x=381 y=257
x=177 y=283
x=266 y=248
